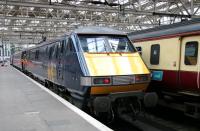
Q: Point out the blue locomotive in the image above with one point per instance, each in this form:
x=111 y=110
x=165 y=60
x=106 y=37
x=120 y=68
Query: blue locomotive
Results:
x=97 y=67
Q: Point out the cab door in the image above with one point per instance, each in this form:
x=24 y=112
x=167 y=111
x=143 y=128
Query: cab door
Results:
x=60 y=61
x=189 y=63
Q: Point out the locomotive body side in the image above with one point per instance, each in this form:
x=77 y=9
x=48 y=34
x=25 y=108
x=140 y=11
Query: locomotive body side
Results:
x=56 y=62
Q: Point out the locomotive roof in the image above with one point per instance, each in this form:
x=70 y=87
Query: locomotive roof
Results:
x=98 y=30
x=84 y=30
x=177 y=28
x=46 y=42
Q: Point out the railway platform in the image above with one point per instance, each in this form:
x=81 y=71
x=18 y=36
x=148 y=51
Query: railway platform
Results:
x=26 y=105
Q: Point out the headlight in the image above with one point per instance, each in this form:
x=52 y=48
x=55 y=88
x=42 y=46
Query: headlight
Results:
x=102 y=81
x=96 y=81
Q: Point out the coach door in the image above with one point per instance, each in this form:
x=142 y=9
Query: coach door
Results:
x=71 y=65
x=23 y=57
x=189 y=63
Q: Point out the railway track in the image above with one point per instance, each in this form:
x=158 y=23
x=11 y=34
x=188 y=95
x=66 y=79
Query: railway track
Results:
x=143 y=124
x=157 y=121
x=122 y=125
x=172 y=119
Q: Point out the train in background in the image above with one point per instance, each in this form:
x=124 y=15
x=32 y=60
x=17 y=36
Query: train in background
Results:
x=97 y=67
x=172 y=54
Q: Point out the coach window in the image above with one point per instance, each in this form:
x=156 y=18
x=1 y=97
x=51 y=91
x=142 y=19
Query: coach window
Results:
x=47 y=50
x=29 y=55
x=56 y=50
x=191 y=53
x=51 y=52
x=139 y=49
x=65 y=46
x=37 y=54
x=155 y=54
x=32 y=55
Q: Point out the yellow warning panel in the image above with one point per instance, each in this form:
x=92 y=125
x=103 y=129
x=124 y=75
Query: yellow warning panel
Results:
x=107 y=64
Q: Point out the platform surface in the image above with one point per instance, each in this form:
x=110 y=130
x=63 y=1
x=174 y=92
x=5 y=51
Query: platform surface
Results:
x=24 y=106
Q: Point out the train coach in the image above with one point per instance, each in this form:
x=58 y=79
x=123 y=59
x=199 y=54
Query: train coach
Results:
x=171 y=52
x=98 y=67
x=16 y=60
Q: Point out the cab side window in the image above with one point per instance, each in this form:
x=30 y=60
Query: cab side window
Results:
x=155 y=54
x=32 y=55
x=62 y=46
x=56 y=49
x=37 y=54
x=51 y=50
x=191 y=53
x=70 y=46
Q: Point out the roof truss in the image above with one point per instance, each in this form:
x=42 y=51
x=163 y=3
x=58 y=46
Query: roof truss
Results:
x=29 y=20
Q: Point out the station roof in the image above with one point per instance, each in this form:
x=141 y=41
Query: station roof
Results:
x=28 y=21
x=166 y=30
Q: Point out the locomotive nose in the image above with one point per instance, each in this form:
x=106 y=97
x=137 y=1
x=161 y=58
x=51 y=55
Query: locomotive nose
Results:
x=115 y=64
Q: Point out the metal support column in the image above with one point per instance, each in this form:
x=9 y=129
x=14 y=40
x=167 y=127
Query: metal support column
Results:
x=2 y=50
x=192 y=7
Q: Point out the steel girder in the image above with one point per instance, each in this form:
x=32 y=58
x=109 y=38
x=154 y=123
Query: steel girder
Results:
x=26 y=17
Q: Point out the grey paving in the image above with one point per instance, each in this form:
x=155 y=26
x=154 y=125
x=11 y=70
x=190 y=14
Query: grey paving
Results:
x=26 y=107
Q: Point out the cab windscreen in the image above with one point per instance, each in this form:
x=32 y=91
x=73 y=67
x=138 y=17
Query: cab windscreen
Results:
x=105 y=43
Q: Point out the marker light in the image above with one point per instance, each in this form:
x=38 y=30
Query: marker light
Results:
x=106 y=81
x=101 y=81
x=137 y=78
x=141 y=78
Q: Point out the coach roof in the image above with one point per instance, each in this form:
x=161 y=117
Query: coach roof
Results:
x=177 y=28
